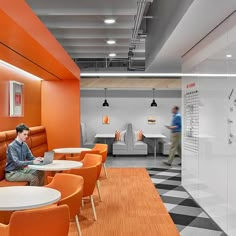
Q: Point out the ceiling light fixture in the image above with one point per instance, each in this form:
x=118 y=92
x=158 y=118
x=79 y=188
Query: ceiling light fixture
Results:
x=169 y=75
x=109 y=21
x=229 y=55
x=112 y=54
x=111 y=42
x=153 y=104
x=105 y=103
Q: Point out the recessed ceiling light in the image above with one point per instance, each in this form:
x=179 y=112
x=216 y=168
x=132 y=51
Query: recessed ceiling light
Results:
x=112 y=55
x=229 y=55
x=109 y=21
x=110 y=42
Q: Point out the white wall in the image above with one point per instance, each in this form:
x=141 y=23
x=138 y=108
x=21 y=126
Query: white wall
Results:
x=210 y=173
x=124 y=110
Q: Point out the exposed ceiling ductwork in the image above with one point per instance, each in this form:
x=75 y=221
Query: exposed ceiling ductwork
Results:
x=79 y=26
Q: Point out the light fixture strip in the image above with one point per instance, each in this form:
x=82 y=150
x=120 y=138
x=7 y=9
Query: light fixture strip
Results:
x=169 y=75
x=19 y=71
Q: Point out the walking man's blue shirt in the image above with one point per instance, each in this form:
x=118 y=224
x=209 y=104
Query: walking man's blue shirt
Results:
x=176 y=121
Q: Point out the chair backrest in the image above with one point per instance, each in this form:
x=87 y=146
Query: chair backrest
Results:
x=103 y=150
x=91 y=160
x=83 y=153
x=81 y=156
x=51 y=221
x=71 y=188
x=89 y=175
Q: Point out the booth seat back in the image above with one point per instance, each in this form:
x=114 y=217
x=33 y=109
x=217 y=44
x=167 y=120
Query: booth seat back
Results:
x=37 y=142
x=3 y=148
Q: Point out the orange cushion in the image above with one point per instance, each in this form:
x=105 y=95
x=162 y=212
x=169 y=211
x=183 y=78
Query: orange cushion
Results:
x=139 y=135
x=118 y=135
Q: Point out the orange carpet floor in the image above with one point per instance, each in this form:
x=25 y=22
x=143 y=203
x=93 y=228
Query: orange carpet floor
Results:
x=130 y=206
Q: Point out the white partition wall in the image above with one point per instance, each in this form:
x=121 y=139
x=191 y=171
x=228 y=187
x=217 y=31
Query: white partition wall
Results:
x=209 y=137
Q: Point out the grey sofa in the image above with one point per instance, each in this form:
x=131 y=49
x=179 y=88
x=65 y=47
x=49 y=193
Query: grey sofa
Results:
x=129 y=146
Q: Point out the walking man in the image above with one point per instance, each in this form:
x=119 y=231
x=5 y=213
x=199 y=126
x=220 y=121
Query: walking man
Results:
x=175 y=128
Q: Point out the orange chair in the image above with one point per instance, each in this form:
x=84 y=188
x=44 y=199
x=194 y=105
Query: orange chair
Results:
x=52 y=221
x=5 y=216
x=71 y=188
x=91 y=160
x=103 y=150
x=89 y=173
x=82 y=155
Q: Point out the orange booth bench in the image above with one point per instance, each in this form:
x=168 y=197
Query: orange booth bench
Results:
x=37 y=142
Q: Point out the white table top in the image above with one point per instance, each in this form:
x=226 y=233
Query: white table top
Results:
x=57 y=165
x=105 y=136
x=70 y=150
x=154 y=135
x=26 y=197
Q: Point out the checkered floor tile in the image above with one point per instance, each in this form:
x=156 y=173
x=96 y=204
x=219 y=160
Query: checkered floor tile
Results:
x=188 y=216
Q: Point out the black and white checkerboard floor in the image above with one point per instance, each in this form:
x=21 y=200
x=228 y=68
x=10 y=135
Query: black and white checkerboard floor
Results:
x=188 y=216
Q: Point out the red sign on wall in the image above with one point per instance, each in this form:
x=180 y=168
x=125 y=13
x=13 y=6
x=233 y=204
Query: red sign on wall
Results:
x=18 y=99
x=191 y=85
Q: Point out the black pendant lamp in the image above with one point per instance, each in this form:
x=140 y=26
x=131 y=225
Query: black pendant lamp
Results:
x=153 y=104
x=105 y=103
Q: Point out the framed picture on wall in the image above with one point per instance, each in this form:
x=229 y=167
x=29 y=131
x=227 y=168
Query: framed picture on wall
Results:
x=151 y=120
x=16 y=99
x=106 y=120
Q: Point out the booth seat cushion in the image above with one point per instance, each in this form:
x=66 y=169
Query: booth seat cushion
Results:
x=4 y=183
x=119 y=145
x=139 y=145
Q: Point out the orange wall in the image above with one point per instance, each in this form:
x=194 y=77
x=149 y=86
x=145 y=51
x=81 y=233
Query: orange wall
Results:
x=61 y=112
x=24 y=34
x=32 y=100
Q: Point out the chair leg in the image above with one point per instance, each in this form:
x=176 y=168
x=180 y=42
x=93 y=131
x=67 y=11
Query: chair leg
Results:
x=77 y=225
x=82 y=203
x=98 y=188
x=93 y=207
x=105 y=169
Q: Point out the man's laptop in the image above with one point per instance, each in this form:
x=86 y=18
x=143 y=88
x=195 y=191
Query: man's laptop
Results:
x=47 y=159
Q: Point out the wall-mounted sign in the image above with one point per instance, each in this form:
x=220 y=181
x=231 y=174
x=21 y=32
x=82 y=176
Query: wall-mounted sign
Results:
x=16 y=99
x=151 y=120
x=106 y=120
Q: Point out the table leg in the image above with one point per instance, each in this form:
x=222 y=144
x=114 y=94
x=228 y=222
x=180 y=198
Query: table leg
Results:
x=155 y=147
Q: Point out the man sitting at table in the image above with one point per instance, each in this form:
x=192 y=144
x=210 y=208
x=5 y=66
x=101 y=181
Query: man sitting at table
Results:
x=19 y=157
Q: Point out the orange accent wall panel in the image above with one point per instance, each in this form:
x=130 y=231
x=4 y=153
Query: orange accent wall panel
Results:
x=32 y=100
x=22 y=33
x=61 y=112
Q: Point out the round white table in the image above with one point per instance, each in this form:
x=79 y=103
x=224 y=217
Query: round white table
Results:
x=70 y=150
x=57 y=165
x=26 y=197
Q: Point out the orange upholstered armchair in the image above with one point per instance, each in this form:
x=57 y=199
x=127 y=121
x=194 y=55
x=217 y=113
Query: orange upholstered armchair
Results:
x=52 y=221
x=89 y=173
x=94 y=160
x=71 y=188
x=103 y=150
